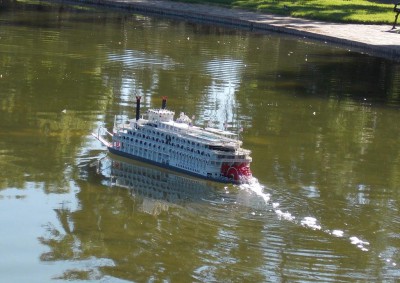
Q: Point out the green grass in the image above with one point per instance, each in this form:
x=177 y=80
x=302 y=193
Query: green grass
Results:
x=350 y=11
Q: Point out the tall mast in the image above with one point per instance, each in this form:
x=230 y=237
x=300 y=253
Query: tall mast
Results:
x=138 y=107
x=164 y=102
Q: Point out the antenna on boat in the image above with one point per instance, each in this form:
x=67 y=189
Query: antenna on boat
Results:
x=138 y=107
x=164 y=102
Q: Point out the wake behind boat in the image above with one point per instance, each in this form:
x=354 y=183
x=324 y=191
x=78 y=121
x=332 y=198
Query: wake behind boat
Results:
x=209 y=153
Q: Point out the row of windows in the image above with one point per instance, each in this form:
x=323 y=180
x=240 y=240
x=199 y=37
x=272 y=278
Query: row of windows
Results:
x=157 y=134
x=173 y=152
x=156 y=145
x=186 y=160
x=188 y=149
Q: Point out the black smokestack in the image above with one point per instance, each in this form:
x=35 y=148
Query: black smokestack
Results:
x=138 y=107
x=164 y=102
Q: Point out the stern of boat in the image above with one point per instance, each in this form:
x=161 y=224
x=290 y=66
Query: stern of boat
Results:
x=236 y=172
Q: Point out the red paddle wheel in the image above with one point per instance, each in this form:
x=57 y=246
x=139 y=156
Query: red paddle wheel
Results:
x=235 y=171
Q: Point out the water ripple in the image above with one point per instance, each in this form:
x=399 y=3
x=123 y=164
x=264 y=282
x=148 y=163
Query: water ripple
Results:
x=135 y=59
x=326 y=255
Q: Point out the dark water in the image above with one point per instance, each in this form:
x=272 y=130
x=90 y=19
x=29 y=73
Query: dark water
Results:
x=322 y=122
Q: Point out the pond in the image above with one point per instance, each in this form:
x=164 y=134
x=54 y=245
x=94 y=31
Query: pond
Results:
x=321 y=122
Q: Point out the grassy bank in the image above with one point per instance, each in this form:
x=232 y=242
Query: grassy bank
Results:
x=354 y=11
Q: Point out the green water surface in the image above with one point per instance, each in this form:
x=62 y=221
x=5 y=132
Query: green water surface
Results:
x=322 y=124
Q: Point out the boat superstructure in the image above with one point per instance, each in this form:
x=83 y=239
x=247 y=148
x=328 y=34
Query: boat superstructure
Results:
x=158 y=139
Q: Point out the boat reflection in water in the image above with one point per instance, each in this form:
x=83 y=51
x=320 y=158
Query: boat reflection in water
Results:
x=159 y=188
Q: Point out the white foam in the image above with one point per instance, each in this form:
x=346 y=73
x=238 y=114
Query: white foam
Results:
x=254 y=186
x=284 y=215
x=310 y=222
x=337 y=233
x=359 y=243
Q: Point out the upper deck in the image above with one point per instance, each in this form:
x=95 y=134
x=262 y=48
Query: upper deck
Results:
x=163 y=121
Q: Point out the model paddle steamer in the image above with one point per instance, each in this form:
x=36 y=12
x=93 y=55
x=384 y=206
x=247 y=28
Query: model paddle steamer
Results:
x=178 y=145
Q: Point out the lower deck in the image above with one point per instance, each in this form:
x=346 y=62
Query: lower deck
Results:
x=167 y=165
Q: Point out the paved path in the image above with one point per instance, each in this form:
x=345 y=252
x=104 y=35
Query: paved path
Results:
x=378 y=40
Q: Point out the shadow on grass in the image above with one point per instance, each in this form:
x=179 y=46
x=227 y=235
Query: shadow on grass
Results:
x=375 y=11
x=335 y=13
